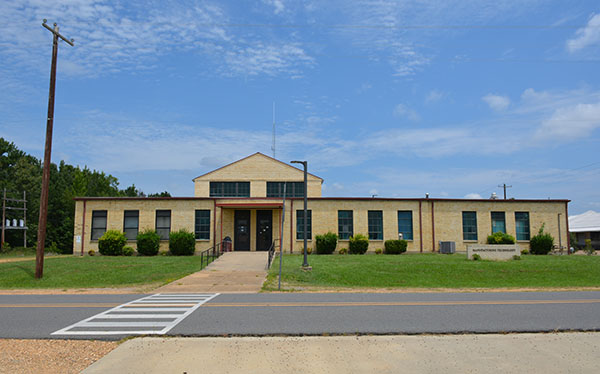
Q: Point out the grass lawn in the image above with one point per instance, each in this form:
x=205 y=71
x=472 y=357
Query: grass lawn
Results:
x=434 y=271
x=98 y=271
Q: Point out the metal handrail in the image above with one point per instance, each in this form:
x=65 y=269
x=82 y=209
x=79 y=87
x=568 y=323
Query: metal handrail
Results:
x=211 y=253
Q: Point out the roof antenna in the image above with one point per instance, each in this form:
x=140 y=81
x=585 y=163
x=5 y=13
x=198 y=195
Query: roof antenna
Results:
x=273 y=144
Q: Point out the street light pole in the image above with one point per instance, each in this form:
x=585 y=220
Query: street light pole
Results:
x=305 y=216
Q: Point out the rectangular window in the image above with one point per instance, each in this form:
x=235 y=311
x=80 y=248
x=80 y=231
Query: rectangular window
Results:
x=98 y=223
x=131 y=223
x=522 y=225
x=345 y=224
x=405 y=224
x=498 y=222
x=469 y=221
x=375 y=222
x=229 y=189
x=202 y=225
x=163 y=224
x=300 y=224
x=292 y=189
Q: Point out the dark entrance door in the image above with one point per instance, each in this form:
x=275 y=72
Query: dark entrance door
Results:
x=264 y=229
x=242 y=230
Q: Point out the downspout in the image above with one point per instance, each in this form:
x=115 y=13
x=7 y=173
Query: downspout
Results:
x=420 y=226
x=221 y=213
x=215 y=224
x=83 y=228
x=432 y=226
x=291 y=226
x=568 y=233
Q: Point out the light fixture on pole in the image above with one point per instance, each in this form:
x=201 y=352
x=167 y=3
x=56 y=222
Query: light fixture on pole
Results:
x=305 y=216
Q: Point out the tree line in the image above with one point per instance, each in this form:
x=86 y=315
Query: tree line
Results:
x=20 y=172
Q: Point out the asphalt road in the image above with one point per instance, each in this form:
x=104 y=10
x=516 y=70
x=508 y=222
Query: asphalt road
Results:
x=38 y=316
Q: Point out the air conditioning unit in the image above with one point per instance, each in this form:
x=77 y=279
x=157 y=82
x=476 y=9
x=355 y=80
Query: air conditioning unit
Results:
x=447 y=247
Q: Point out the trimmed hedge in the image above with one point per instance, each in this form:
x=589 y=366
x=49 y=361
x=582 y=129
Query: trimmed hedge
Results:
x=500 y=238
x=395 y=247
x=358 y=244
x=112 y=243
x=148 y=243
x=542 y=243
x=182 y=243
x=326 y=243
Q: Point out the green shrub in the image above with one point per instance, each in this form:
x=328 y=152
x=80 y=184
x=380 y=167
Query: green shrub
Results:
x=588 y=247
x=395 y=247
x=112 y=243
x=182 y=243
x=525 y=252
x=148 y=243
x=326 y=243
x=378 y=251
x=516 y=257
x=500 y=238
x=343 y=251
x=128 y=251
x=542 y=243
x=91 y=252
x=308 y=251
x=476 y=257
x=358 y=244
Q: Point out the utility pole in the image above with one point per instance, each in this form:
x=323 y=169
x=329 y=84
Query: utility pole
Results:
x=505 y=187
x=305 y=265
x=41 y=238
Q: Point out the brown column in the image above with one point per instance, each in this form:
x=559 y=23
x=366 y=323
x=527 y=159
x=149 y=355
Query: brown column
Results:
x=83 y=228
x=291 y=225
x=568 y=233
x=432 y=227
x=420 y=227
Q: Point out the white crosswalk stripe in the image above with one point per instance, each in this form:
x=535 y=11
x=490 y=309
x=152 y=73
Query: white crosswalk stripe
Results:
x=155 y=314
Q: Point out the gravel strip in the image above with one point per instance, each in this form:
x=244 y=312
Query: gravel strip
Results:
x=50 y=356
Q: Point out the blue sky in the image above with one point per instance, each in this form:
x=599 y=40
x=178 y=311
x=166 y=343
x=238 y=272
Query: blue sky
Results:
x=394 y=98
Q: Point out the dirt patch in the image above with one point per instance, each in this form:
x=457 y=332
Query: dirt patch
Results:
x=147 y=288
x=50 y=356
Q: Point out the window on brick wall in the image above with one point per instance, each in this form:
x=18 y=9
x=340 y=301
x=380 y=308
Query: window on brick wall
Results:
x=375 y=222
x=522 y=225
x=98 y=223
x=300 y=224
x=469 y=221
x=498 y=222
x=405 y=224
x=292 y=189
x=131 y=223
x=163 y=224
x=229 y=189
x=202 y=224
x=345 y=224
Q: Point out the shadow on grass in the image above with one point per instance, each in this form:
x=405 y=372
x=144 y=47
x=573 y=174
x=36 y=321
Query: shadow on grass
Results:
x=26 y=269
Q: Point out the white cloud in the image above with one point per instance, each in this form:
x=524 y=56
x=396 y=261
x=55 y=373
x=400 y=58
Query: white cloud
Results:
x=136 y=37
x=473 y=195
x=496 y=102
x=402 y=111
x=586 y=36
x=571 y=122
x=276 y=4
x=434 y=96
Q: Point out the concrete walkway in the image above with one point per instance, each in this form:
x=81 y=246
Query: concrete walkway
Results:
x=232 y=272
x=513 y=353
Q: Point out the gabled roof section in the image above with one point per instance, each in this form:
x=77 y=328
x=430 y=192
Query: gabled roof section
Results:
x=258 y=154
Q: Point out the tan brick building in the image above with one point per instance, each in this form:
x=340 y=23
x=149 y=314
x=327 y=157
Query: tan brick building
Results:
x=244 y=201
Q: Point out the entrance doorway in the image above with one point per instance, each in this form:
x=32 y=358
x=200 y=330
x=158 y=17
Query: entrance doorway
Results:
x=264 y=229
x=242 y=230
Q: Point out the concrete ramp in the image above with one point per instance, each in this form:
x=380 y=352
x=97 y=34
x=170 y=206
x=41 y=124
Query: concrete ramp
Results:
x=232 y=272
